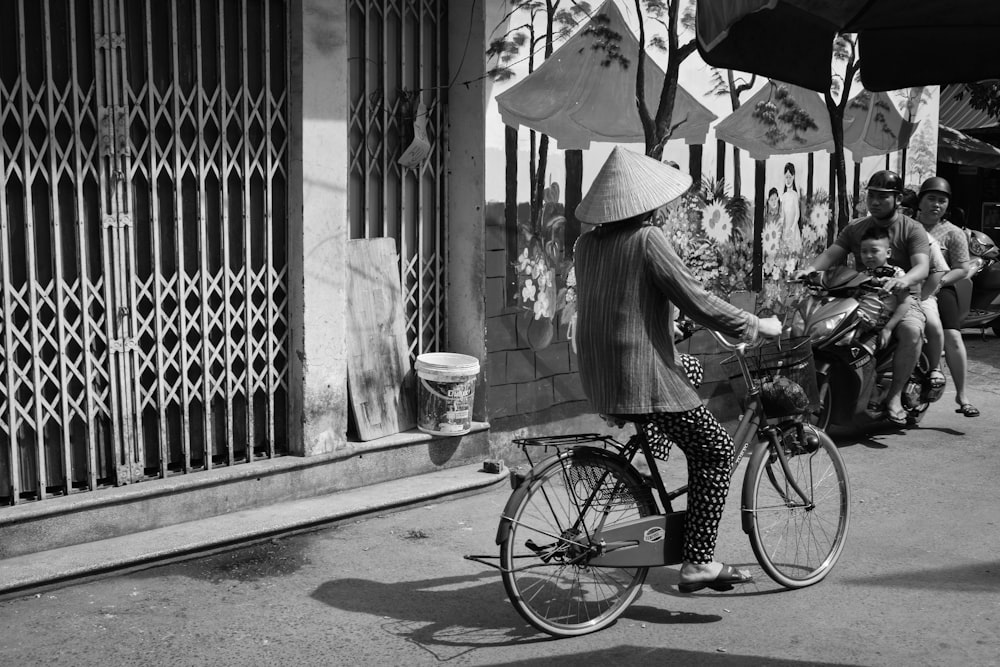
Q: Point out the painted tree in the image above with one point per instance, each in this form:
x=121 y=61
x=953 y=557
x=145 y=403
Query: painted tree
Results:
x=676 y=20
x=845 y=51
x=535 y=25
x=731 y=86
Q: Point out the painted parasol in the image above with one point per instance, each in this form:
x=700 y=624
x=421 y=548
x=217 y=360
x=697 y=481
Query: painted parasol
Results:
x=873 y=126
x=576 y=97
x=744 y=129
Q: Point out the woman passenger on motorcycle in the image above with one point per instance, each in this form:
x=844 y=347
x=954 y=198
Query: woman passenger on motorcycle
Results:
x=629 y=281
x=933 y=331
x=933 y=200
x=909 y=251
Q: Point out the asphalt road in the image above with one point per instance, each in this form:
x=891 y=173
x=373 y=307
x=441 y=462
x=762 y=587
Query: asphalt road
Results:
x=918 y=583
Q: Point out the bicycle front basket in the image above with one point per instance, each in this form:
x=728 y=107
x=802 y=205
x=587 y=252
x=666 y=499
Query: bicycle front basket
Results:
x=786 y=373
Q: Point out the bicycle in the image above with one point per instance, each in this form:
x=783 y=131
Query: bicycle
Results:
x=582 y=528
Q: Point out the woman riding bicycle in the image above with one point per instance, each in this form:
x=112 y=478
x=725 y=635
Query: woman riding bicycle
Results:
x=629 y=280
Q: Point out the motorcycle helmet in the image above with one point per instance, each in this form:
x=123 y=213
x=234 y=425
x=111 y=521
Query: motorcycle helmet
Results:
x=981 y=245
x=935 y=184
x=886 y=181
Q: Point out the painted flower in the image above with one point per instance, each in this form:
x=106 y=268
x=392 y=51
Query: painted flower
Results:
x=771 y=241
x=819 y=218
x=716 y=222
x=528 y=291
x=545 y=277
x=541 y=307
x=524 y=262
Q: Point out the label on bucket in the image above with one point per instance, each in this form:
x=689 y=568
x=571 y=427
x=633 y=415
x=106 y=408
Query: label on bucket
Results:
x=445 y=392
x=445 y=407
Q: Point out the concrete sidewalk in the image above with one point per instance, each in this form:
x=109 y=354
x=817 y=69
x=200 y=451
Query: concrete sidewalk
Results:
x=20 y=575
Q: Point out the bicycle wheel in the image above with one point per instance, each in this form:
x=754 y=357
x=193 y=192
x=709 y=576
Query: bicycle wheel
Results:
x=798 y=541
x=545 y=549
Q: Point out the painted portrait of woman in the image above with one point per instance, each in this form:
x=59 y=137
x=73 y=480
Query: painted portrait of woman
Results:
x=791 y=237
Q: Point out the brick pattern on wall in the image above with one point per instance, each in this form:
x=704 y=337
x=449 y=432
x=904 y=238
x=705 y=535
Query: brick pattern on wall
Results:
x=521 y=380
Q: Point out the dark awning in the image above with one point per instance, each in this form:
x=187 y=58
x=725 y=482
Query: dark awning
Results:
x=903 y=42
x=958 y=148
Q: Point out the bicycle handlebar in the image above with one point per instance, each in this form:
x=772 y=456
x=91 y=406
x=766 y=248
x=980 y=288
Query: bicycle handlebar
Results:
x=738 y=346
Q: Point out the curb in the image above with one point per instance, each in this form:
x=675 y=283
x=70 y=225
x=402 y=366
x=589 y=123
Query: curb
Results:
x=25 y=575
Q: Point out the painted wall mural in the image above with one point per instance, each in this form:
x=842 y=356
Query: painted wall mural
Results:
x=711 y=230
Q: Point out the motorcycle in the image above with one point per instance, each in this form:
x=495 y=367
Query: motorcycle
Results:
x=853 y=374
x=979 y=297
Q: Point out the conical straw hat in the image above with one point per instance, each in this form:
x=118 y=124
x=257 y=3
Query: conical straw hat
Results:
x=629 y=184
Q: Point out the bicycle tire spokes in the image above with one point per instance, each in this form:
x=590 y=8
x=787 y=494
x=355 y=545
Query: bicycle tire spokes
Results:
x=549 y=581
x=799 y=509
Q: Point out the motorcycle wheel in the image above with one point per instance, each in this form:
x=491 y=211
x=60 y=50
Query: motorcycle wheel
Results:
x=821 y=417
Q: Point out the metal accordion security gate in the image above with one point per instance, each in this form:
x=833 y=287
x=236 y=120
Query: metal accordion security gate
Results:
x=398 y=86
x=143 y=223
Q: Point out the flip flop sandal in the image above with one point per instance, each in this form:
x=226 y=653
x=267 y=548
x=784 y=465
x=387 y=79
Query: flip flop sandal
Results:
x=968 y=409
x=936 y=379
x=726 y=579
x=897 y=417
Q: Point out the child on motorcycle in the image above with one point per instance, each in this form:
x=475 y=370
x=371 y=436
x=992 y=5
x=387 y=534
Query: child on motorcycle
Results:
x=883 y=310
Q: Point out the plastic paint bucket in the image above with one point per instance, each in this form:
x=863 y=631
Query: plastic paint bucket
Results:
x=446 y=388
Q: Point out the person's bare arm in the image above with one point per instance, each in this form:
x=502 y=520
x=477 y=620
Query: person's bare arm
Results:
x=830 y=257
x=920 y=265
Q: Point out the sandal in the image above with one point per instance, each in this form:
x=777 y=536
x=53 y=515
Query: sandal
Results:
x=724 y=581
x=968 y=409
x=936 y=379
x=896 y=416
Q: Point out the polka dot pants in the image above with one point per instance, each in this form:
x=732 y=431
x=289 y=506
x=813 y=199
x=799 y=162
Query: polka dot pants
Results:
x=708 y=448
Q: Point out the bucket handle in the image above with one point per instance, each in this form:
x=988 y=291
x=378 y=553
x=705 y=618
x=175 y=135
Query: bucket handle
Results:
x=434 y=391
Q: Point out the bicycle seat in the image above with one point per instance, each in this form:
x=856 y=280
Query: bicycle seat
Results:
x=619 y=421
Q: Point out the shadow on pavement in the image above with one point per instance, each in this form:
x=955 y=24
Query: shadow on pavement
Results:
x=441 y=615
x=970 y=578
x=872 y=437
x=460 y=612
x=626 y=655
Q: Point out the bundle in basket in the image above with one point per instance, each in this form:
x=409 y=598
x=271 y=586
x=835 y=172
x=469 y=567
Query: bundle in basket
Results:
x=785 y=372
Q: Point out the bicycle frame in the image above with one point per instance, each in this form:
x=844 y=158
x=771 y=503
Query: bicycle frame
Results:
x=654 y=540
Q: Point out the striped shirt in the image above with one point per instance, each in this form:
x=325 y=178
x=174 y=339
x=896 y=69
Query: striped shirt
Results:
x=628 y=282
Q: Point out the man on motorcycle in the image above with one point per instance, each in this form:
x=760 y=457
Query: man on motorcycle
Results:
x=909 y=250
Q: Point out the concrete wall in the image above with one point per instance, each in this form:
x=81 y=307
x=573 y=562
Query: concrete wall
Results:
x=319 y=344
x=466 y=196
x=319 y=310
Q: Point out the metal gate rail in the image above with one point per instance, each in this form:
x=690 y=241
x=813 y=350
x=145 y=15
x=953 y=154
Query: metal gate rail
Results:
x=143 y=259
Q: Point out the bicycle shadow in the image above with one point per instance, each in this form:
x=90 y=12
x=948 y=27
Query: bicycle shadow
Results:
x=449 y=616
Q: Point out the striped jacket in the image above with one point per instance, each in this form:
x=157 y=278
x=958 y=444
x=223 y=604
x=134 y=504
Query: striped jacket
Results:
x=628 y=282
